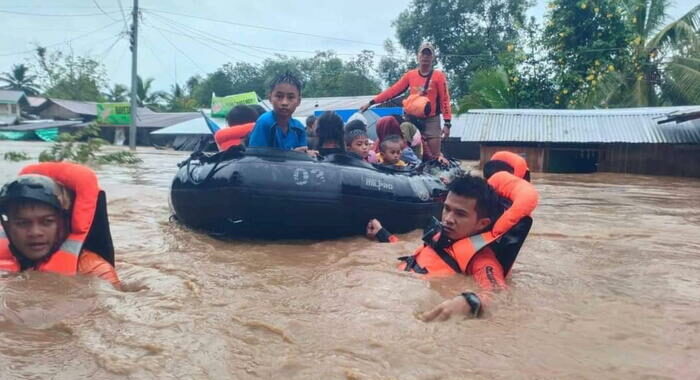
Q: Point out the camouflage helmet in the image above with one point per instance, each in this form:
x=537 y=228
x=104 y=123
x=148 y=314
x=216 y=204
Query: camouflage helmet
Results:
x=38 y=188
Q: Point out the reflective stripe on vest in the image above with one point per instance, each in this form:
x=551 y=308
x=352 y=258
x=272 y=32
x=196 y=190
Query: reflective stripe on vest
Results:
x=462 y=251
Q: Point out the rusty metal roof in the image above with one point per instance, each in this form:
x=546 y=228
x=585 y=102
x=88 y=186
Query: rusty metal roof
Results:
x=624 y=125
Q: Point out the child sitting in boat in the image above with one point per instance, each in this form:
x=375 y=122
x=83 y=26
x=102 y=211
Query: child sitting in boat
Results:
x=241 y=120
x=356 y=139
x=329 y=129
x=390 y=152
x=277 y=128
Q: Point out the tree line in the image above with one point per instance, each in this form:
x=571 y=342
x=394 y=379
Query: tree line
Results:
x=586 y=53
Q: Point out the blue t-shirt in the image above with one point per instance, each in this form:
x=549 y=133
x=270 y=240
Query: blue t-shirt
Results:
x=268 y=134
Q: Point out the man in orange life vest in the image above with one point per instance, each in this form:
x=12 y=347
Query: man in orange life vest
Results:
x=474 y=238
x=54 y=219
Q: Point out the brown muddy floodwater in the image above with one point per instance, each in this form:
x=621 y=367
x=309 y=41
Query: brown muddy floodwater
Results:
x=607 y=286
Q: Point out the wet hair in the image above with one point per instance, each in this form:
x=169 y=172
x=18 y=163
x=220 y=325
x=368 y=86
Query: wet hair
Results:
x=391 y=139
x=241 y=114
x=355 y=129
x=310 y=121
x=494 y=166
x=288 y=78
x=399 y=118
x=487 y=201
x=258 y=108
x=330 y=128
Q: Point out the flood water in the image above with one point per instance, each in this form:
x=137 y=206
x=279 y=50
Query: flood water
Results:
x=606 y=286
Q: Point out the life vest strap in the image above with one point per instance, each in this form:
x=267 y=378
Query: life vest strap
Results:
x=412 y=265
x=447 y=258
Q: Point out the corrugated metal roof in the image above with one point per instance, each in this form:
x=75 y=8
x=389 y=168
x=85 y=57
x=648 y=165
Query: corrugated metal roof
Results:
x=626 y=125
x=39 y=125
x=75 y=106
x=145 y=118
x=35 y=101
x=309 y=105
x=11 y=96
x=681 y=116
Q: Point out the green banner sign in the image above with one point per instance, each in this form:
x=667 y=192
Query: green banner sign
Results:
x=113 y=113
x=221 y=106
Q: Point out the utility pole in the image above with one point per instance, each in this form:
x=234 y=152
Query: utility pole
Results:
x=134 y=49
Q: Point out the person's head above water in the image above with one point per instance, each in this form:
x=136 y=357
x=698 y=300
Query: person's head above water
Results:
x=35 y=213
x=390 y=148
x=285 y=94
x=516 y=163
x=470 y=208
x=329 y=129
x=241 y=114
x=356 y=139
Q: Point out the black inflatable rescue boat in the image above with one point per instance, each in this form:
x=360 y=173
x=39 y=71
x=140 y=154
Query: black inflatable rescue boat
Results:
x=262 y=192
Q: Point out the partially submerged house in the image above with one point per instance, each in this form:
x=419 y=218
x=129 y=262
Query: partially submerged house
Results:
x=11 y=104
x=628 y=140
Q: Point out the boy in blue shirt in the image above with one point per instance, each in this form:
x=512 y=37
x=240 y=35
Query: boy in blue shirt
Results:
x=277 y=128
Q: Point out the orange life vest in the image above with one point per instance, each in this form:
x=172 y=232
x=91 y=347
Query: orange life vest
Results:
x=516 y=161
x=456 y=258
x=233 y=135
x=83 y=182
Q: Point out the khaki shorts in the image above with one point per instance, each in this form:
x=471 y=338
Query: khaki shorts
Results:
x=432 y=127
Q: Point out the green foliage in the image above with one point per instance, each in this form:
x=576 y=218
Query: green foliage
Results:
x=16 y=156
x=67 y=76
x=147 y=98
x=469 y=35
x=323 y=75
x=522 y=80
x=392 y=66
x=586 y=39
x=118 y=93
x=178 y=101
x=18 y=80
x=85 y=147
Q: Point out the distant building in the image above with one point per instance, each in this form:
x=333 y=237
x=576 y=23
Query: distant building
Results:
x=629 y=140
x=11 y=104
x=61 y=109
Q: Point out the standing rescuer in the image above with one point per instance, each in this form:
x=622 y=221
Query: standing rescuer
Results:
x=428 y=98
x=54 y=219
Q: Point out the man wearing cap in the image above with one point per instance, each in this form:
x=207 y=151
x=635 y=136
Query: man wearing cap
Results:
x=54 y=219
x=433 y=100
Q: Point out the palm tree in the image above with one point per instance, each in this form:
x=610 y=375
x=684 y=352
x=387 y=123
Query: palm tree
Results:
x=18 y=80
x=654 y=50
x=489 y=88
x=178 y=101
x=144 y=96
x=681 y=83
x=118 y=93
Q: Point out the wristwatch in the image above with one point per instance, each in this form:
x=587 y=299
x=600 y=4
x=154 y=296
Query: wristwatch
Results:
x=474 y=303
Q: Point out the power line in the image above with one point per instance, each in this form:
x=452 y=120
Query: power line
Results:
x=268 y=28
x=150 y=48
x=56 y=15
x=103 y=11
x=62 y=42
x=205 y=35
x=181 y=52
x=121 y=9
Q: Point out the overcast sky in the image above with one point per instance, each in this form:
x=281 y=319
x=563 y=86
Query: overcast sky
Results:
x=178 y=39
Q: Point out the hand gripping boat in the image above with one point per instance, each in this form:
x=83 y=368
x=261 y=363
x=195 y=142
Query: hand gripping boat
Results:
x=263 y=192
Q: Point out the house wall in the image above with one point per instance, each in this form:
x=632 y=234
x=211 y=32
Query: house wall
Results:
x=655 y=159
x=455 y=148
